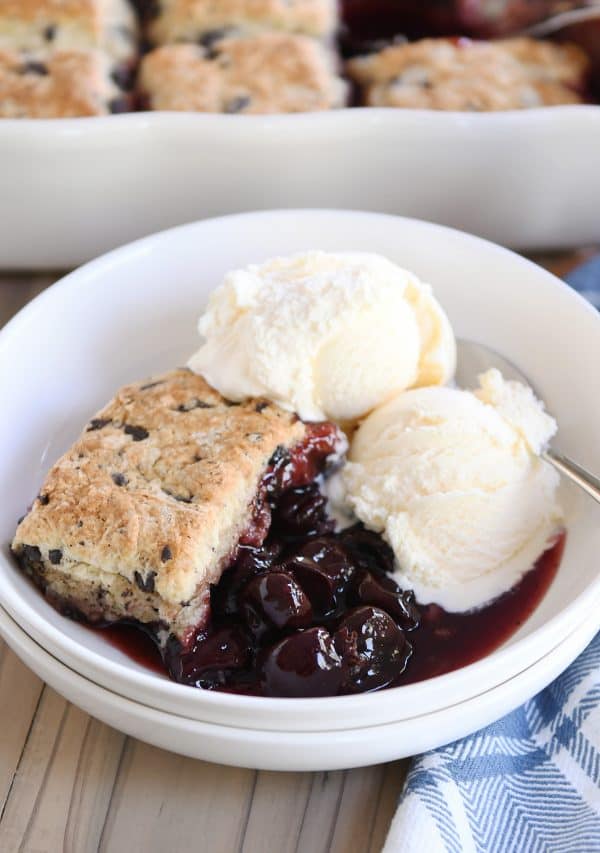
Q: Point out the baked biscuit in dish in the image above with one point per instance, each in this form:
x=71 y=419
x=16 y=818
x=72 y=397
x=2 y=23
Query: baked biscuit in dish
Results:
x=198 y=20
x=459 y=74
x=62 y=84
x=42 y=25
x=151 y=504
x=270 y=73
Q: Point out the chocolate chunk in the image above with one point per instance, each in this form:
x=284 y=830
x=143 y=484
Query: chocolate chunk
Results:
x=32 y=553
x=34 y=67
x=262 y=405
x=181 y=498
x=166 y=554
x=119 y=479
x=147 y=584
x=43 y=499
x=209 y=39
x=237 y=105
x=281 y=454
x=137 y=433
x=149 y=9
x=55 y=556
x=210 y=42
x=120 y=105
x=195 y=403
x=98 y=423
x=50 y=33
x=123 y=77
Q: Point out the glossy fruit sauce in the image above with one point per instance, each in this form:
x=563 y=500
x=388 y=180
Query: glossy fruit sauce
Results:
x=316 y=613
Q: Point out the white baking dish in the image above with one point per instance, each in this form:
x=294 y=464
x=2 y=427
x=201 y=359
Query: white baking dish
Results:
x=73 y=188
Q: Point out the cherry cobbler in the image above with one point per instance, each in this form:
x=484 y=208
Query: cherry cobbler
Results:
x=65 y=58
x=266 y=73
x=201 y=523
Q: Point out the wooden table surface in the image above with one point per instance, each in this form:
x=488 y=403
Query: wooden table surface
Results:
x=69 y=782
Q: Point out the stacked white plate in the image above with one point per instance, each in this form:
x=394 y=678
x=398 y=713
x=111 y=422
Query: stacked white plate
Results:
x=132 y=313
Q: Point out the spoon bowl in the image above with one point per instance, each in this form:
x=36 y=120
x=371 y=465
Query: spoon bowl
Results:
x=474 y=359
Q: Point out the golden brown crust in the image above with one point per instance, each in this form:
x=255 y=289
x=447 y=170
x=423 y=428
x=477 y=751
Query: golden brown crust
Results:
x=63 y=9
x=144 y=511
x=190 y=20
x=63 y=84
x=43 y=25
x=446 y=74
x=270 y=73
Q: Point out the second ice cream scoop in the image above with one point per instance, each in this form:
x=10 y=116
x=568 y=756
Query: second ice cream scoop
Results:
x=453 y=480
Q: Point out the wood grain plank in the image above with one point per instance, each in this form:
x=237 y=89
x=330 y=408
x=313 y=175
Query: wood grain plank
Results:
x=31 y=774
x=358 y=809
x=278 y=807
x=17 y=291
x=93 y=784
x=20 y=692
x=321 y=812
x=392 y=784
x=164 y=802
x=62 y=788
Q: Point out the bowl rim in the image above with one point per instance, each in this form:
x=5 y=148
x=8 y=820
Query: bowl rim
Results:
x=36 y=624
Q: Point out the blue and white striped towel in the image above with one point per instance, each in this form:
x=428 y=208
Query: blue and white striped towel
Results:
x=529 y=783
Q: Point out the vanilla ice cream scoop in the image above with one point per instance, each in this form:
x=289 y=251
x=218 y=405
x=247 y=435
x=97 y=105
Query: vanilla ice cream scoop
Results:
x=453 y=481
x=329 y=336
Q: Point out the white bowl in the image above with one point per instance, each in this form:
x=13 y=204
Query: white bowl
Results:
x=73 y=188
x=297 y=751
x=134 y=312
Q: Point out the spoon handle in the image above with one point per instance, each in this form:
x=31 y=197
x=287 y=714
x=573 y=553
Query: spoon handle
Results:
x=560 y=21
x=585 y=479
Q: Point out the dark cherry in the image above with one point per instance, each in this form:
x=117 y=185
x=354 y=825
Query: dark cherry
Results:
x=368 y=549
x=382 y=591
x=274 y=601
x=303 y=664
x=373 y=646
x=213 y=656
x=327 y=551
x=323 y=569
x=301 y=512
x=249 y=562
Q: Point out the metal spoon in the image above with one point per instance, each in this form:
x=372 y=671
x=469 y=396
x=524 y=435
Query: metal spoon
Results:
x=474 y=359
x=561 y=21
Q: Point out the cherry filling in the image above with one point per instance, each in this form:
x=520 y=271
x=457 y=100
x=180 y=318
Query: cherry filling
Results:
x=288 y=469
x=321 y=616
x=308 y=613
